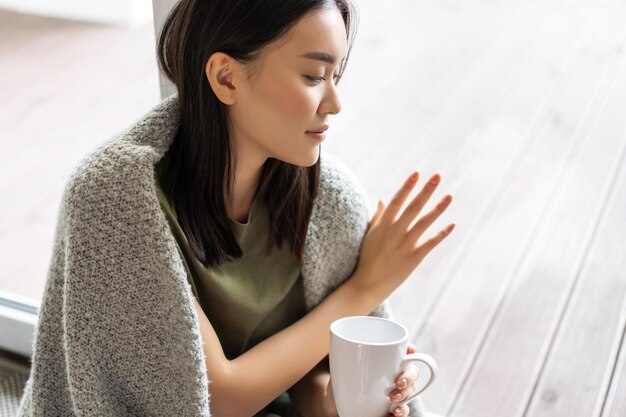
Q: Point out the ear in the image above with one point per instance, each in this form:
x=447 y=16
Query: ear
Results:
x=220 y=71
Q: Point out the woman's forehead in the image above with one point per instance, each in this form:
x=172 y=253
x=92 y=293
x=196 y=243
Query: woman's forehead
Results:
x=318 y=36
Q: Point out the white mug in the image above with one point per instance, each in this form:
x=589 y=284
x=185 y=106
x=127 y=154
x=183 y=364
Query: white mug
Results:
x=366 y=356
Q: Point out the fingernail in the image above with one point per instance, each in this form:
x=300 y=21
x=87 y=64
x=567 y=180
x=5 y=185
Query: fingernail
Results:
x=397 y=412
x=413 y=177
x=403 y=383
x=435 y=179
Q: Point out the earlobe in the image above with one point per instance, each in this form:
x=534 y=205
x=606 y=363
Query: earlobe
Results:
x=219 y=73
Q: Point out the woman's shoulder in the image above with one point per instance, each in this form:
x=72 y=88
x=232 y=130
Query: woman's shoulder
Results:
x=126 y=161
x=336 y=229
x=339 y=188
x=110 y=168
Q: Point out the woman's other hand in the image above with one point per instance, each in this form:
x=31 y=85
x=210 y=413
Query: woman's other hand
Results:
x=390 y=250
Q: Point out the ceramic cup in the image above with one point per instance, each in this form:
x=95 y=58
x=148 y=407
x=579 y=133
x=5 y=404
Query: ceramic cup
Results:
x=366 y=356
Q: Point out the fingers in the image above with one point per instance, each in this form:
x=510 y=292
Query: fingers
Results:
x=396 y=203
x=405 y=384
x=416 y=206
x=397 y=396
x=387 y=215
x=410 y=348
x=424 y=223
x=422 y=250
x=410 y=375
x=400 y=411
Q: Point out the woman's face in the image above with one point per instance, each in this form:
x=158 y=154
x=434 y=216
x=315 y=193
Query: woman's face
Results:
x=286 y=97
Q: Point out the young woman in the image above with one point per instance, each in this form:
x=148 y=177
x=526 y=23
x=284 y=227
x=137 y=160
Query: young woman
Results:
x=201 y=255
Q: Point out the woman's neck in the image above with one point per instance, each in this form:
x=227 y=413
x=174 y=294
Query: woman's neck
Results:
x=245 y=185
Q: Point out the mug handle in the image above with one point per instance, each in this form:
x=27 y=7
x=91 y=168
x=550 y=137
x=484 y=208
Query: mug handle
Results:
x=432 y=367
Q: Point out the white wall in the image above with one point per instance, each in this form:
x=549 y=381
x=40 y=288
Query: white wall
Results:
x=129 y=13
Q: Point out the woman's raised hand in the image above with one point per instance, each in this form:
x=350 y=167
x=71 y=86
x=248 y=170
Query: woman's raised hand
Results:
x=391 y=248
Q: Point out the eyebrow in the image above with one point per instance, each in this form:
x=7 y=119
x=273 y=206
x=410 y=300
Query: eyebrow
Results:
x=320 y=56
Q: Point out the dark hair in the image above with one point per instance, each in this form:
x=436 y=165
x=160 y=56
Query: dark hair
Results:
x=196 y=171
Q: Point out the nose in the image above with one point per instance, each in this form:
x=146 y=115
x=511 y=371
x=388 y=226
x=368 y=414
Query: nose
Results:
x=331 y=103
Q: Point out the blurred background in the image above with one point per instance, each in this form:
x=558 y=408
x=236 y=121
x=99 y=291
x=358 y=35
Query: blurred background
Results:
x=521 y=106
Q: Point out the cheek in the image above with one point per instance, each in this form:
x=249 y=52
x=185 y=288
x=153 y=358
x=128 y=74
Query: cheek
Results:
x=291 y=100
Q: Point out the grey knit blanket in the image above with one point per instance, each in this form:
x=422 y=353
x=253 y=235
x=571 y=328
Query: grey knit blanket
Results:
x=117 y=333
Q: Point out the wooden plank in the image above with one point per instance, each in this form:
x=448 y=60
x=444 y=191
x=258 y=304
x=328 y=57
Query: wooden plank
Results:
x=615 y=405
x=462 y=312
x=43 y=117
x=580 y=363
x=499 y=133
x=480 y=98
x=486 y=153
x=488 y=131
x=541 y=286
x=496 y=141
x=54 y=108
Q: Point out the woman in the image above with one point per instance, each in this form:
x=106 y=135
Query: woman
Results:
x=201 y=255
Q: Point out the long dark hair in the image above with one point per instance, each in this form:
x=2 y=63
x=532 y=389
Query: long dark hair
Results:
x=195 y=173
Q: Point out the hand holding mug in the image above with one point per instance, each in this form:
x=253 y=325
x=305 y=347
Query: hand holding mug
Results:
x=405 y=386
x=365 y=355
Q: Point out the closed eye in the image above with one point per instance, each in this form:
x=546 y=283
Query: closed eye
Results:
x=320 y=79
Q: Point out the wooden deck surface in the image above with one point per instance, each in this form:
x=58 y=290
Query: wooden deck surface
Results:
x=521 y=106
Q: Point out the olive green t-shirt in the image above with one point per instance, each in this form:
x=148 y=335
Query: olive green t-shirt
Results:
x=251 y=298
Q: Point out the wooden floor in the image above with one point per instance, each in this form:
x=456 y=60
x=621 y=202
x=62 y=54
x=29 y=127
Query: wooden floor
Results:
x=64 y=88
x=521 y=106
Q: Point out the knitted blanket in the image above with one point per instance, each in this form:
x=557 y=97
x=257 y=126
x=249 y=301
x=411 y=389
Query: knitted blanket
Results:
x=117 y=333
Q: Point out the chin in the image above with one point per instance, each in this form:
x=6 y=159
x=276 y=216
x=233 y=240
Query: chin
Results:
x=304 y=161
x=314 y=157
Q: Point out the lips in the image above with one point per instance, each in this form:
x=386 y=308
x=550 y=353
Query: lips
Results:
x=318 y=130
x=320 y=136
